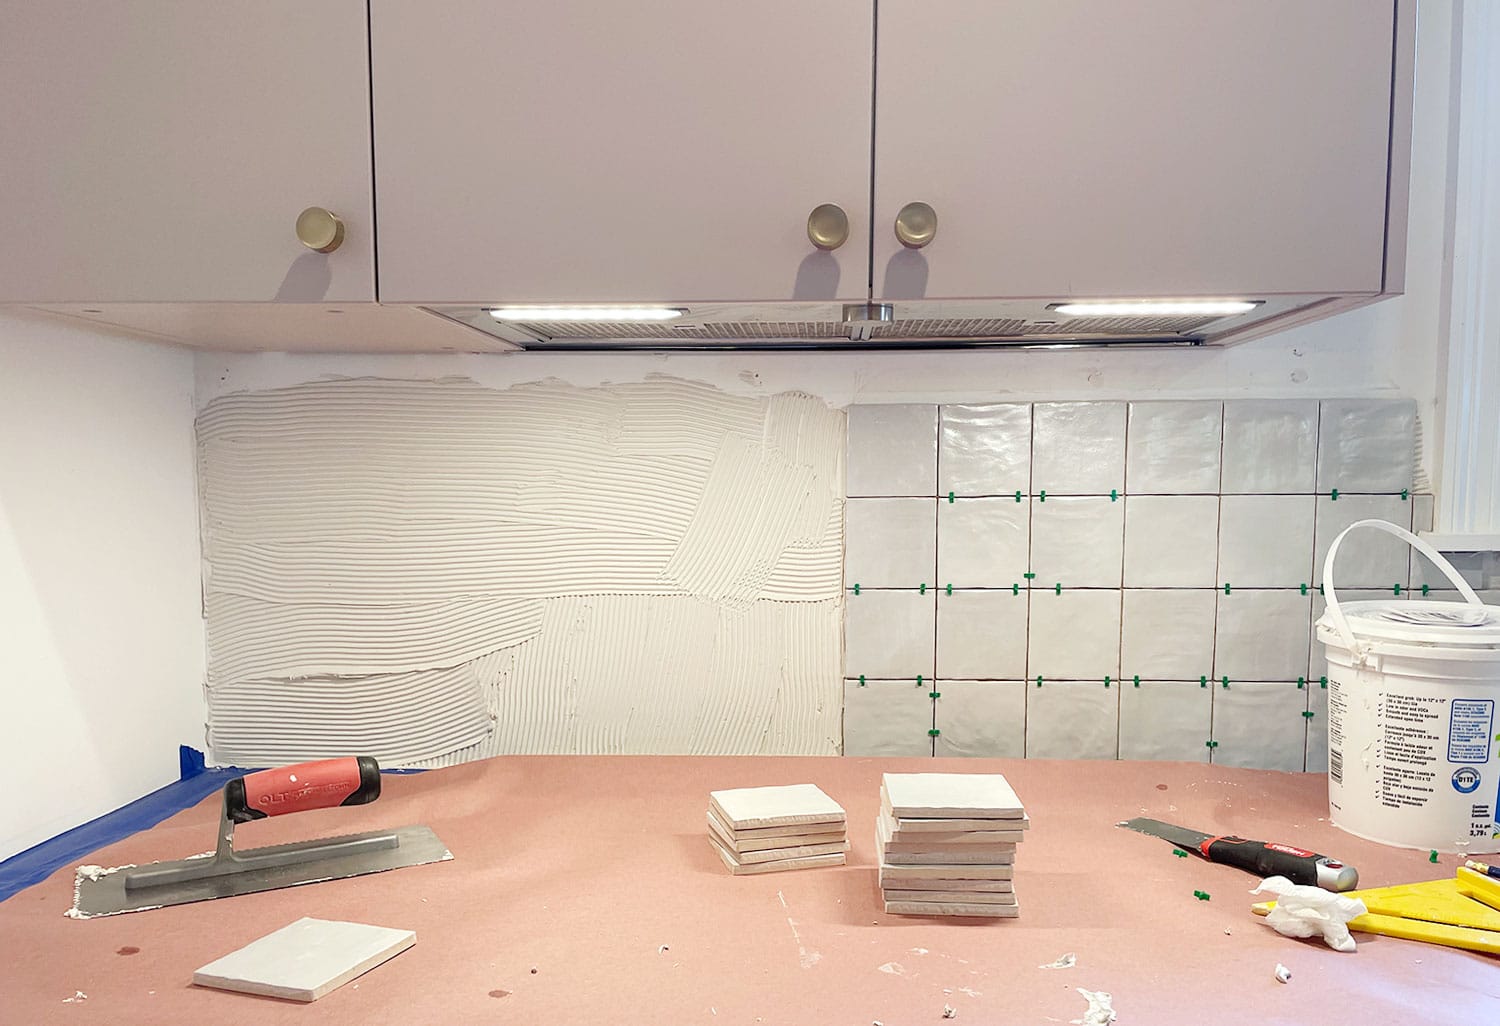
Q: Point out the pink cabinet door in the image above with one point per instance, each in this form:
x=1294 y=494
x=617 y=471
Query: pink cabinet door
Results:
x=563 y=151
x=161 y=150
x=1133 y=148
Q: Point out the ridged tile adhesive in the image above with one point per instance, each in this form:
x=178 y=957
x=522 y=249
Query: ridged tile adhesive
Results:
x=433 y=571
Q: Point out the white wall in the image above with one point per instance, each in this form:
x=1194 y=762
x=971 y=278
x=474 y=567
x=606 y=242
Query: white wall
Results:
x=101 y=640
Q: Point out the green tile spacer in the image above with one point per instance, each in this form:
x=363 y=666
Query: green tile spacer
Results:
x=1396 y=590
x=1304 y=589
x=949 y=589
x=934 y=732
x=1018 y=495
x=1015 y=589
x=1039 y=682
x=1424 y=590
x=1058 y=587
x=919 y=680
x=1226 y=589
x=1403 y=495
x=1322 y=682
x=1308 y=714
x=1201 y=895
x=922 y=589
x=1432 y=856
x=1203 y=681
x=1210 y=744
x=1138 y=680
x=1320 y=589
x=950 y=497
x=1030 y=576
x=861 y=680
x=1334 y=495
x=1043 y=495
x=856 y=589
x=1301 y=683
x=1106 y=681
x=934 y=694
x=1179 y=853
x=1226 y=682
x=1114 y=494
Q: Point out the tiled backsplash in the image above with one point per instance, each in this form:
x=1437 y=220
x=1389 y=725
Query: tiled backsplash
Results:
x=1110 y=579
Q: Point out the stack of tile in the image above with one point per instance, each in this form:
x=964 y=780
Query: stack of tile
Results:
x=769 y=829
x=947 y=844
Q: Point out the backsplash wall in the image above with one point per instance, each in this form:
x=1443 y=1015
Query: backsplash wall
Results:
x=1112 y=579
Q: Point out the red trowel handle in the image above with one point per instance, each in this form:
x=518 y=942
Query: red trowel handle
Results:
x=307 y=785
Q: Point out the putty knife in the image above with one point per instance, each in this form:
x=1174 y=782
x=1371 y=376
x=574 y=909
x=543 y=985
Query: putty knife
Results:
x=1264 y=858
x=226 y=872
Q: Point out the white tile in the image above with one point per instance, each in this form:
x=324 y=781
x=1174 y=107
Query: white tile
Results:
x=1074 y=635
x=1174 y=448
x=1072 y=720
x=1266 y=541
x=1165 y=721
x=1317 y=663
x=1171 y=541
x=889 y=634
x=1368 y=558
x=981 y=635
x=780 y=805
x=887 y=717
x=985 y=450
x=982 y=543
x=1078 y=448
x=1366 y=445
x=1168 y=635
x=1270 y=445
x=1261 y=635
x=1077 y=542
x=892 y=450
x=305 y=960
x=950 y=796
x=1317 y=728
x=1260 y=726
x=890 y=543
x=985 y=719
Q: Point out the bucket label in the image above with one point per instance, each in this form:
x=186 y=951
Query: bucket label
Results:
x=1466 y=780
x=1470 y=726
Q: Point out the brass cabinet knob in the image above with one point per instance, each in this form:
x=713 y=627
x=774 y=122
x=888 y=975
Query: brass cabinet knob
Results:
x=828 y=226
x=320 y=230
x=916 y=225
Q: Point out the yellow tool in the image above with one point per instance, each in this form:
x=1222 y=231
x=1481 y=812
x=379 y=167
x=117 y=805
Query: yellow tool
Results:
x=1460 y=913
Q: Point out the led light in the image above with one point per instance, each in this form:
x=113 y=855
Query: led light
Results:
x=1157 y=308
x=586 y=313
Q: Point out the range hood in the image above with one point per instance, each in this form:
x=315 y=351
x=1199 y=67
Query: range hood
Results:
x=913 y=324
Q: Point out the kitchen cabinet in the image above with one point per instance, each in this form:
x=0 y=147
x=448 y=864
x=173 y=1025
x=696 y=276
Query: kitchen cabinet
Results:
x=162 y=150
x=569 y=151
x=1144 y=148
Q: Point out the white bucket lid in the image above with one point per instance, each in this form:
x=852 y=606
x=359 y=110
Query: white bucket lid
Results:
x=1422 y=621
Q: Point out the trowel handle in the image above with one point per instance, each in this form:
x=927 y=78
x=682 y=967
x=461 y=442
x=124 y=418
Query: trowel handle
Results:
x=1266 y=858
x=307 y=785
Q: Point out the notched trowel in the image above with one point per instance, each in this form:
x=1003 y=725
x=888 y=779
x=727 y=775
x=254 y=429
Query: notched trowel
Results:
x=226 y=872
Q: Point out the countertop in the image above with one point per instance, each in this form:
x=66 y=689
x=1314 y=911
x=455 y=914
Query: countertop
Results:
x=583 y=890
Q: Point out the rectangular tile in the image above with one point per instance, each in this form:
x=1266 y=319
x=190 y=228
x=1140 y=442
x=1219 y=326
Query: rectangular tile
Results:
x=1173 y=447
x=749 y=808
x=892 y=450
x=1167 y=635
x=950 y=795
x=905 y=876
x=1165 y=720
x=981 y=635
x=984 y=450
x=1077 y=541
x=779 y=866
x=304 y=960
x=980 y=719
x=889 y=634
x=969 y=897
x=982 y=543
x=1072 y=720
x=890 y=543
x=1261 y=635
x=1368 y=558
x=1270 y=446
x=950 y=908
x=1171 y=541
x=1075 y=635
x=1259 y=725
x=1078 y=448
x=1366 y=445
x=887 y=717
x=1266 y=541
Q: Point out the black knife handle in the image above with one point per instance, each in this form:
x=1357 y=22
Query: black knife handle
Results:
x=1270 y=859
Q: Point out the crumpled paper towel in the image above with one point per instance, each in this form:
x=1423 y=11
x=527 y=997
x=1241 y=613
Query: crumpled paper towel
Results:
x=1304 y=911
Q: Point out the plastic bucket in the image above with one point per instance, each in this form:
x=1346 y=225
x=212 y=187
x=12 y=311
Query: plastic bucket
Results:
x=1413 y=736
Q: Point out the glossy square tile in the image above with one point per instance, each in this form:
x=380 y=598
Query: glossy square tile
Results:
x=1173 y=448
x=1270 y=445
x=1317 y=728
x=1167 y=635
x=889 y=634
x=1260 y=726
x=984 y=450
x=1261 y=635
x=890 y=543
x=887 y=717
x=981 y=635
x=1165 y=720
x=984 y=719
x=1171 y=541
x=1078 y=448
x=1317 y=663
x=1075 y=635
x=1072 y=720
x=1077 y=541
x=892 y=450
x=1368 y=558
x=1366 y=445
x=1266 y=541
x=982 y=543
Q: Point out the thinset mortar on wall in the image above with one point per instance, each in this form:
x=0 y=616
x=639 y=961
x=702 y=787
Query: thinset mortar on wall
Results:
x=432 y=572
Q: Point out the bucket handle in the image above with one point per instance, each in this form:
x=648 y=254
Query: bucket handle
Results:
x=1340 y=621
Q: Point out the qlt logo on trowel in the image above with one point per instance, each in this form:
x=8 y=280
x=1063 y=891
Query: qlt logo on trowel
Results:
x=282 y=797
